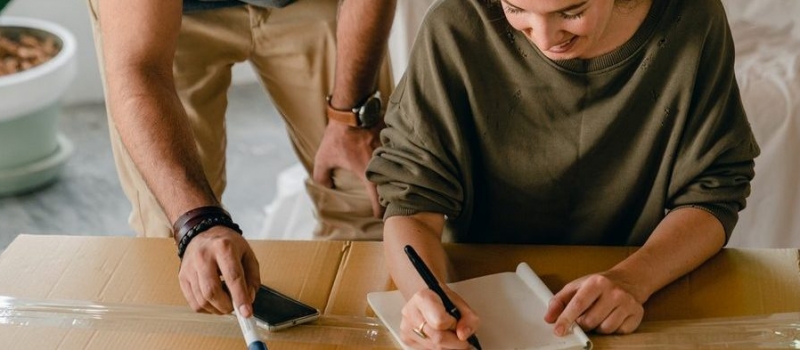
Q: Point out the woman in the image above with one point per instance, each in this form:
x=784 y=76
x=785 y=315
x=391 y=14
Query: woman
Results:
x=593 y=122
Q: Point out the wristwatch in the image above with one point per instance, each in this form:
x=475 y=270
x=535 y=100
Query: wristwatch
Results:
x=365 y=115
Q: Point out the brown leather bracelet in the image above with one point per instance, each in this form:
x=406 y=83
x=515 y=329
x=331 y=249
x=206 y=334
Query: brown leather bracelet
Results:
x=191 y=218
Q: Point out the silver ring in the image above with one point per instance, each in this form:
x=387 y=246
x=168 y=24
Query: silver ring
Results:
x=419 y=330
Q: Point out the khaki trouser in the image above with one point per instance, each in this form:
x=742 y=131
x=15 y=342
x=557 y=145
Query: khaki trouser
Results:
x=293 y=51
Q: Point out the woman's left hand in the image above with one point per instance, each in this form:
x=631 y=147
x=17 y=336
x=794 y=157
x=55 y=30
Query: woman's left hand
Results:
x=603 y=302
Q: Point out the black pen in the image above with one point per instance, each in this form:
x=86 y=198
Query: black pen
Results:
x=433 y=284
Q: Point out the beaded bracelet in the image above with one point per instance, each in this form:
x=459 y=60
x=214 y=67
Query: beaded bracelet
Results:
x=192 y=218
x=199 y=220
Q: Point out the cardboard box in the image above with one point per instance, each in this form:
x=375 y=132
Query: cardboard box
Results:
x=143 y=271
x=735 y=282
x=335 y=277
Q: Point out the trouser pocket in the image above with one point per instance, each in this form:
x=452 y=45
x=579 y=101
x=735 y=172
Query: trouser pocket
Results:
x=344 y=213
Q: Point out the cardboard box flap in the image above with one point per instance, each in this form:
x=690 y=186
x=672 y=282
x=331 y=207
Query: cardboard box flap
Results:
x=122 y=269
x=555 y=265
x=363 y=270
x=303 y=270
x=735 y=282
x=143 y=271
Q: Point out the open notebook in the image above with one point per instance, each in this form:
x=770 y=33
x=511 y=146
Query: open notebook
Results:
x=511 y=307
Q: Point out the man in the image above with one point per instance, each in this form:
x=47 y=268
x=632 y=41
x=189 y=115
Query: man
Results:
x=167 y=67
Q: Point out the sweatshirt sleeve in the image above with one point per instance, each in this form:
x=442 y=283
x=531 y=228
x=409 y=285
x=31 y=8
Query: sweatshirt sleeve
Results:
x=715 y=162
x=419 y=165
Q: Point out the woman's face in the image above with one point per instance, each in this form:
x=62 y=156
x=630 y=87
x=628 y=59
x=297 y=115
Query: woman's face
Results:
x=563 y=29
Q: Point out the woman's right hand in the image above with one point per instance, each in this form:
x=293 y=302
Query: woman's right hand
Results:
x=426 y=324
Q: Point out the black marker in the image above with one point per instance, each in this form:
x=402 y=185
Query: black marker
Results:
x=433 y=284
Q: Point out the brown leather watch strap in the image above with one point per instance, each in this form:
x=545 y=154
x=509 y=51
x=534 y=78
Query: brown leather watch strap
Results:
x=343 y=116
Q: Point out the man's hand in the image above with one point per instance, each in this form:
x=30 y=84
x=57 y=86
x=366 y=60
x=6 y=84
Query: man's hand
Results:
x=219 y=252
x=362 y=31
x=348 y=148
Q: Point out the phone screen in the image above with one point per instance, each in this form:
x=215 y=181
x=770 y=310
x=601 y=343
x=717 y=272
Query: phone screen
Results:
x=280 y=311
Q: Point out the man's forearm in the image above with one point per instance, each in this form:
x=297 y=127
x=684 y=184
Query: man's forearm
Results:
x=362 y=31
x=153 y=127
x=139 y=41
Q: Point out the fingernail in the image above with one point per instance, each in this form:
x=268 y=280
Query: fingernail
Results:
x=559 y=330
x=467 y=332
x=244 y=310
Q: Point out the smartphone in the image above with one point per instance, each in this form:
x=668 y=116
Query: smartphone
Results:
x=277 y=311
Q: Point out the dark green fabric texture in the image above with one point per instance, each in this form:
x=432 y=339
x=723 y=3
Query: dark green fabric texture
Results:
x=515 y=148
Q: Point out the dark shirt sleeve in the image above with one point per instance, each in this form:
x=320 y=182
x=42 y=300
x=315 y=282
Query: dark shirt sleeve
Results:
x=418 y=167
x=715 y=162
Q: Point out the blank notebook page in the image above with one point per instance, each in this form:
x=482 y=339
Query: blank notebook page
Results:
x=511 y=307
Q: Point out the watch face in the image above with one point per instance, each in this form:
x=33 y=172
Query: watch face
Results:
x=370 y=112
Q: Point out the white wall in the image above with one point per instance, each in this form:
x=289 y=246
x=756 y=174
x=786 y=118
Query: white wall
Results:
x=74 y=15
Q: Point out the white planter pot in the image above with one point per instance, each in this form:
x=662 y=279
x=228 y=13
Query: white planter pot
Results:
x=32 y=152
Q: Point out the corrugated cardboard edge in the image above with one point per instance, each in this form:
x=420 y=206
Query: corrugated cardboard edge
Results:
x=308 y=280
x=363 y=269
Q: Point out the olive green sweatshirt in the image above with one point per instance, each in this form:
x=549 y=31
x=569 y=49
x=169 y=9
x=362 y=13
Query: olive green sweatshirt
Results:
x=516 y=148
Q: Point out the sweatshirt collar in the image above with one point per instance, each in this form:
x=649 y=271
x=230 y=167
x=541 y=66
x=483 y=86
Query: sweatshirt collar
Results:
x=627 y=49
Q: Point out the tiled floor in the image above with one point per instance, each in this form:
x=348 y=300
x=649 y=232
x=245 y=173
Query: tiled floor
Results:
x=87 y=198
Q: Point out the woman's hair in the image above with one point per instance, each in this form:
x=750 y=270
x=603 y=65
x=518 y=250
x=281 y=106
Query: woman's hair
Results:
x=631 y=3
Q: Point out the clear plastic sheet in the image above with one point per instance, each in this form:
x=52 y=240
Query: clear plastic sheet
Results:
x=328 y=329
x=776 y=331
